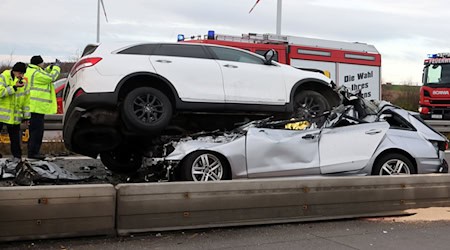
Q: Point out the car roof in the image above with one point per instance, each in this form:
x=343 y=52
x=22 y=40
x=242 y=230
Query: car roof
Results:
x=114 y=47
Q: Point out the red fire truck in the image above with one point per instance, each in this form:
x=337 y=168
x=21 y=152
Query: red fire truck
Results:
x=435 y=93
x=354 y=65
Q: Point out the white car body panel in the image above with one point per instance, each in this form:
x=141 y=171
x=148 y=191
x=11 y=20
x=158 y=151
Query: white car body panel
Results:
x=253 y=83
x=195 y=79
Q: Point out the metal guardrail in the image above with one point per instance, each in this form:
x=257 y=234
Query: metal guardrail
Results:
x=44 y=212
x=440 y=125
x=52 y=122
x=175 y=206
x=40 y=212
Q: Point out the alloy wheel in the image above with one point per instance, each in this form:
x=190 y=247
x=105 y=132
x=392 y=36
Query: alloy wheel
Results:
x=395 y=167
x=148 y=108
x=207 y=167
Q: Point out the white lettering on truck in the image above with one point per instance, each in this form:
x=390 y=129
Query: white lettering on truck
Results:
x=440 y=92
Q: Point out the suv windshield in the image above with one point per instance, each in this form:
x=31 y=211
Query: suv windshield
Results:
x=437 y=74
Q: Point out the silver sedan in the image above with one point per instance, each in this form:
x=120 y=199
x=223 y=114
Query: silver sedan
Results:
x=385 y=140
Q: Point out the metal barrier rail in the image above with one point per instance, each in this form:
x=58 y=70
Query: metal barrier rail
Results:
x=52 y=122
x=87 y=210
x=45 y=212
x=440 y=125
x=174 y=206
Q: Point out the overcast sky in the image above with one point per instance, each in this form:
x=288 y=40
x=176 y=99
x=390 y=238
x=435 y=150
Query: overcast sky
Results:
x=404 y=31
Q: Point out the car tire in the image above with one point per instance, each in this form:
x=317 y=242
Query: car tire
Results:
x=204 y=166
x=309 y=104
x=393 y=164
x=121 y=161
x=146 y=109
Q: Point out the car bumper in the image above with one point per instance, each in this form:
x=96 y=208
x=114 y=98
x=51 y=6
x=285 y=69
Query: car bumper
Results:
x=79 y=107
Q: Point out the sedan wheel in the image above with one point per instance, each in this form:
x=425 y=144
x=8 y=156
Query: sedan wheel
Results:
x=394 y=167
x=204 y=166
x=393 y=164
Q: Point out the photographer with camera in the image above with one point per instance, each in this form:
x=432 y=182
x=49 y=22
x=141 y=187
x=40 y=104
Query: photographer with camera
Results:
x=13 y=108
x=42 y=100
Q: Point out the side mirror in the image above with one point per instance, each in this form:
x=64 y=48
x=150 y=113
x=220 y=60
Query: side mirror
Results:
x=268 y=56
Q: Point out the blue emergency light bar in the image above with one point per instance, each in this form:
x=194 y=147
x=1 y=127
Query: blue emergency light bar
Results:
x=432 y=56
x=180 y=37
x=211 y=35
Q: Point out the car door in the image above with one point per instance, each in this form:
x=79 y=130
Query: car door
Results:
x=351 y=147
x=281 y=152
x=195 y=76
x=247 y=79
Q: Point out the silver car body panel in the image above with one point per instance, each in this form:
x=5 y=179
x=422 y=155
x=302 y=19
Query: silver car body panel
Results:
x=278 y=152
x=349 y=148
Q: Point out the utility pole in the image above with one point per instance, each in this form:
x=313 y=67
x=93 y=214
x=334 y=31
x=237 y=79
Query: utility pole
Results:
x=100 y=2
x=279 y=17
x=98 y=22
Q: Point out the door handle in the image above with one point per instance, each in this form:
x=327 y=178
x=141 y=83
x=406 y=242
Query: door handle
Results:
x=309 y=137
x=373 y=131
x=230 y=66
x=163 y=61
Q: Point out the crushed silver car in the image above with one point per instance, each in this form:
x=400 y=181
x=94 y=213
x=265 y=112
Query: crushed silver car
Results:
x=359 y=137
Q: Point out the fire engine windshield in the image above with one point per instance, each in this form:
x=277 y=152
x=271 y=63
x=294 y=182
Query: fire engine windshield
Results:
x=437 y=74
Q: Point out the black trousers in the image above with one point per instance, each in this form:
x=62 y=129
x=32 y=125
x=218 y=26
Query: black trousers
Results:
x=36 y=134
x=15 y=138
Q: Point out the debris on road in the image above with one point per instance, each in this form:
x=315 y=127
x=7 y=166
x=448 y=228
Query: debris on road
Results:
x=27 y=173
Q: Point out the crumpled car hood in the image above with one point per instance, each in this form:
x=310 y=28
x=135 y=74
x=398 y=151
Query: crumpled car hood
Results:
x=187 y=145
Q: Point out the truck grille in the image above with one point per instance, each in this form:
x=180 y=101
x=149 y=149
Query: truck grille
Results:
x=440 y=101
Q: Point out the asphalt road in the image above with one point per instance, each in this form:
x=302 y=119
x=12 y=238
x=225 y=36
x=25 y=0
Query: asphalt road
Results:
x=387 y=233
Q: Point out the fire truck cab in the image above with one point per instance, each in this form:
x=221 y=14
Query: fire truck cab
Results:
x=352 y=64
x=435 y=93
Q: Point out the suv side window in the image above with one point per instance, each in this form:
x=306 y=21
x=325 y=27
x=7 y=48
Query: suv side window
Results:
x=142 y=49
x=235 y=55
x=181 y=50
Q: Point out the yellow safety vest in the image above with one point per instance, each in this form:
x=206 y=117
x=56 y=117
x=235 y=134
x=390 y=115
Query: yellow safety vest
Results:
x=42 y=98
x=13 y=107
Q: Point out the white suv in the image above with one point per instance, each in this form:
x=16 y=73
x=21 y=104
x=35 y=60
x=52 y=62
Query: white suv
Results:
x=120 y=98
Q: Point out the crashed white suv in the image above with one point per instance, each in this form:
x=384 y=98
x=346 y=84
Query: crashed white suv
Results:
x=120 y=98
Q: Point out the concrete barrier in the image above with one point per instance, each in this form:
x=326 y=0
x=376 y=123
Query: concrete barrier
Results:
x=43 y=212
x=183 y=205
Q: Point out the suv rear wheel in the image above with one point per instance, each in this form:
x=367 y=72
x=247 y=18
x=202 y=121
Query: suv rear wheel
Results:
x=147 y=110
x=308 y=103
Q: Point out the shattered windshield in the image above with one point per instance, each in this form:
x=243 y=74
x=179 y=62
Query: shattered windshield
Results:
x=437 y=74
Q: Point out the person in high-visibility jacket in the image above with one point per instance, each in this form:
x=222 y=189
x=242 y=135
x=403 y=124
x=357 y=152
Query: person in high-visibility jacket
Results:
x=42 y=100
x=13 y=105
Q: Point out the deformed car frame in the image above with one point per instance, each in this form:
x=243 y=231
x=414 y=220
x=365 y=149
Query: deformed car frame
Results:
x=358 y=138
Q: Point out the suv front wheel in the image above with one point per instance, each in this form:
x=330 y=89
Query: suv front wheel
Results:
x=147 y=110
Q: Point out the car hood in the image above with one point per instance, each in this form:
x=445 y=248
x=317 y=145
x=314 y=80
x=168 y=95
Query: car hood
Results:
x=189 y=144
